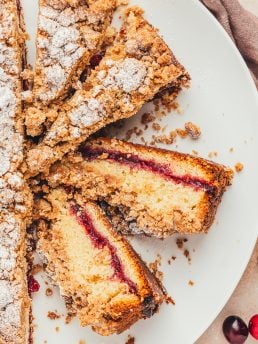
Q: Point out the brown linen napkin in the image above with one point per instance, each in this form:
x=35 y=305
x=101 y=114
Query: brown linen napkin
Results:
x=242 y=26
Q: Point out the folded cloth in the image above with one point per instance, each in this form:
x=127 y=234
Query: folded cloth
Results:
x=242 y=27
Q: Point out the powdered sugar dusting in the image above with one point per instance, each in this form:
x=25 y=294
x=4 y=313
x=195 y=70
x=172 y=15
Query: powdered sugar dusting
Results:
x=86 y=114
x=62 y=41
x=128 y=74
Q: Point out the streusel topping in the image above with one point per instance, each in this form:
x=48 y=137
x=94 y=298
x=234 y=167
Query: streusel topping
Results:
x=66 y=35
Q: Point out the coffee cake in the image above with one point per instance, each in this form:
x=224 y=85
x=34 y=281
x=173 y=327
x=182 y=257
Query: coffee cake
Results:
x=101 y=277
x=14 y=194
x=136 y=67
x=157 y=192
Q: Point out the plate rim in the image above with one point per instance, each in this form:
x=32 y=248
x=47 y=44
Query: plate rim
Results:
x=252 y=243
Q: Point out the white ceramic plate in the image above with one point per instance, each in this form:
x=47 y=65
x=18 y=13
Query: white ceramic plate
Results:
x=223 y=101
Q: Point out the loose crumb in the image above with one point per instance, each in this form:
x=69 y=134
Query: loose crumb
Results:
x=156 y=126
x=239 y=167
x=187 y=255
x=123 y=2
x=82 y=342
x=53 y=315
x=195 y=152
x=213 y=154
x=180 y=244
x=169 y=300
x=231 y=149
x=147 y=118
x=49 y=292
x=192 y=130
x=57 y=329
x=182 y=133
x=191 y=283
x=173 y=257
x=130 y=340
x=154 y=268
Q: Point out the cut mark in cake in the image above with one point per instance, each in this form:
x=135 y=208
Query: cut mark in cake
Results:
x=164 y=171
x=99 y=241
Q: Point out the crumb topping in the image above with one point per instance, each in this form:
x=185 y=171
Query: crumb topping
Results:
x=66 y=35
x=13 y=206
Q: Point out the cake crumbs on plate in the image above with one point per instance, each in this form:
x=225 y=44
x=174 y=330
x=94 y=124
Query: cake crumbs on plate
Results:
x=191 y=283
x=154 y=268
x=231 y=149
x=130 y=340
x=53 y=315
x=57 y=328
x=192 y=130
x=195 y=152
x=212 y=154
x=169 y=300
x=49 y=292
x=180 y=244
x=181 y=132
x=82 y=341
x=239 y=167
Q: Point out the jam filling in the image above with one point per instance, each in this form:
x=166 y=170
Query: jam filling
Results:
x=135 y=161
x=99 y=241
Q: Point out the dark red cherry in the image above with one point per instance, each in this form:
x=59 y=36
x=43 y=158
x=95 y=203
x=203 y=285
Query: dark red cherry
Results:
x=33 y=285
x=235 y=330
x=253 y=326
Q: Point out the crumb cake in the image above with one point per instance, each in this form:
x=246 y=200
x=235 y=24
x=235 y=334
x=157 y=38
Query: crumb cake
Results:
x=14 y=194
x=157 y=192
x=69 y=33
x=100 y=276
x=136 y=67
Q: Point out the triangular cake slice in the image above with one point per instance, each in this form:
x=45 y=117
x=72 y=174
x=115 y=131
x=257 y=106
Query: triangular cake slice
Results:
x=101 y=277
x=14 y=194
x=156 y=191
x=69 y=33
x=132 y=72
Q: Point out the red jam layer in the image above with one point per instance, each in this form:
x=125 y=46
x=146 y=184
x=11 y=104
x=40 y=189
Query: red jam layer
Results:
x=134 y=161
x=99 y=241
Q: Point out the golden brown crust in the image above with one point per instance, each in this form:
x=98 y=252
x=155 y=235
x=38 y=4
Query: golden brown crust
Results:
x=184 y=200
x=118 y=306
x=134 y=69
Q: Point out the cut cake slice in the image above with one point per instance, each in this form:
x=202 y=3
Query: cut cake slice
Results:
x=156 y=191
x=101 y=277
x=133 y=70
x=14 y=194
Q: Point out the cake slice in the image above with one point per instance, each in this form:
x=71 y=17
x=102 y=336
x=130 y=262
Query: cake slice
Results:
x=14 y=194
x=69 y=33
x=101 y=277
x=133 y=70
x=157 y=192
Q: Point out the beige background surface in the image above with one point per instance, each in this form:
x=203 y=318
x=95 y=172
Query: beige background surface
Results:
x=244 y=301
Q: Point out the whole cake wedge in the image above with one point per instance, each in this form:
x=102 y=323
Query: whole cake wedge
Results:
x=102 y=278
x=15 y=198
x=134 y=69
x=157 y=192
